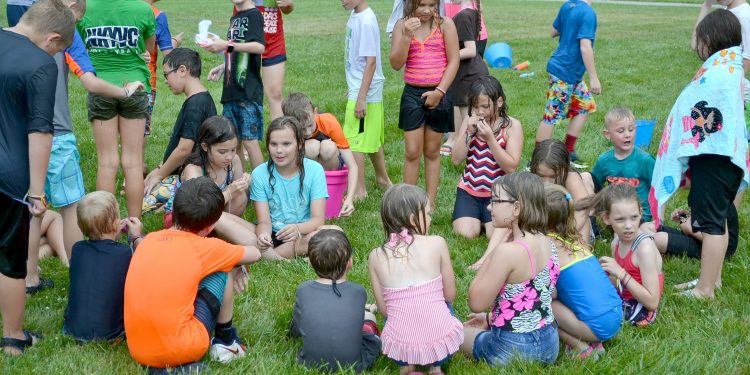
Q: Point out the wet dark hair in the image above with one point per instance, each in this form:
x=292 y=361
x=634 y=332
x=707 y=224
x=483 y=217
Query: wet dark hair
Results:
x=186 y=57
x=528 y=190
x=553 y=154
x=490 y=87
x=719 y=30
x=214 y=130
x=329 y=251
x=198 y=204
x=400 y=209
x=287 y=122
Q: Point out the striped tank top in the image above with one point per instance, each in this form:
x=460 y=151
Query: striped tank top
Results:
x=426 y=61
x=481 y=167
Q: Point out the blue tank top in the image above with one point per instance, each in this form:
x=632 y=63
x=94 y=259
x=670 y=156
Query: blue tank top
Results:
x=584 y=287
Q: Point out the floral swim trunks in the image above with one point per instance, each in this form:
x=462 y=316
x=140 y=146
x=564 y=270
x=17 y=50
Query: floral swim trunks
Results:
x=565 y=100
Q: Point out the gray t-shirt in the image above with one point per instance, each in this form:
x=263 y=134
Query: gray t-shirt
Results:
x=62 y=119
x=331 y=327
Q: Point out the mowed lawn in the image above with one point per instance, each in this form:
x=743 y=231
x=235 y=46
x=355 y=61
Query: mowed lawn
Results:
x=644 y=60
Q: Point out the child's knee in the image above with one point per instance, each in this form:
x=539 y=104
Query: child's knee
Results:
x=468 y=231
x=312 y=148
x=328 y=150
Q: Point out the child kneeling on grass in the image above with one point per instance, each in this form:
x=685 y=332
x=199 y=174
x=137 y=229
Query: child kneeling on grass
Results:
x=98 y=267
x=179 y=286
x=587 y=308
x=635 y=266
x=328 y=312
x=324 y=142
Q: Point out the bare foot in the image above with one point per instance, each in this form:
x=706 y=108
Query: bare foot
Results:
x=691 y=284
x=359 y=196
x=271 y=254
x=696 y=294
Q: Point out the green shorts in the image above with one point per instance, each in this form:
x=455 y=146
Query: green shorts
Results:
x=104 y=108
x=368 y=138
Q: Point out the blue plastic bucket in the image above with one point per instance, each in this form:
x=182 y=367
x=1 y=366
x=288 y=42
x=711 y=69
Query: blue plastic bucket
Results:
x=499 y=55
x=644 y=131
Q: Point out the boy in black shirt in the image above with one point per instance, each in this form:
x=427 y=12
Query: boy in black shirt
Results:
x=182 y=71
x=243 y=89
x=27 y=98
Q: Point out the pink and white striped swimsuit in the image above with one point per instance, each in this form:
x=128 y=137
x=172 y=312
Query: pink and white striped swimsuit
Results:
x=426 y=61
x=420 y=329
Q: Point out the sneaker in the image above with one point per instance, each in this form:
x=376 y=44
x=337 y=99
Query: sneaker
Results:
x=593 y=351
x=224 y=352
x=576 y=162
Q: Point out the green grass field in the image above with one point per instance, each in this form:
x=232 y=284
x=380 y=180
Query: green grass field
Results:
x=644 y=60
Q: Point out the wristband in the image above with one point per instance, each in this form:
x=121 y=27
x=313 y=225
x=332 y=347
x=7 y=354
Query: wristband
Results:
x=131 y=240
x=42 y=198
x=437 y=88
x=230 y=46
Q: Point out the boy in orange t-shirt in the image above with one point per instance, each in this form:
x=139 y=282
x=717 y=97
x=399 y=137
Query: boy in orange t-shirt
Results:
x=179 y=286
x=325 y=142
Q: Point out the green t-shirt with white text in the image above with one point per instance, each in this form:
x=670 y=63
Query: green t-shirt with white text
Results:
x=115 y=33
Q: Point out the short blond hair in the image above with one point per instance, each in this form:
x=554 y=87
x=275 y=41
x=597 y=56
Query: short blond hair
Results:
x=98 y=213
x=51 y=16
x=618 y=114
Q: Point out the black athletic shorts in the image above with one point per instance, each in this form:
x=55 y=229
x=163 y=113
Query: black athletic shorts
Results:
x=713 y=187
x=414 y=113
x=14 y=237
x=679 y=243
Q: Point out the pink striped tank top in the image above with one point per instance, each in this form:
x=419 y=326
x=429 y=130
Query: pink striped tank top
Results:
x=481 y=167
x=426 y=61
x=420 y=329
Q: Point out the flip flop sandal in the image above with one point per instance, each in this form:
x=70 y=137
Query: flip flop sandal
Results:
x=372 y=308
x=445 y=150
x=31 y=339
x=43 y=284
x=688 y=285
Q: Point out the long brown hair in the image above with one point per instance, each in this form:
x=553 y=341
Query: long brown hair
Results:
x=602 y=201
x=528 y=190
x=553 y=154
x=410 y=10
x=561 y=222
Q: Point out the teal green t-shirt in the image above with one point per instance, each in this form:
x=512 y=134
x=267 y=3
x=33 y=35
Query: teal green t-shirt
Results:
x=115 y=33
x=635 y=170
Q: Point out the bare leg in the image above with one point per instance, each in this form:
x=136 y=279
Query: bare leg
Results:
x=312 y=149
x=12 y=308
x=227 y=305
x=253 y=150
x=131 y=137
x=414 y=142
x=71 y=231
x=381 y=173
x=273 y=85
x=108 y=161
x=404 y=370
x=576 y=124
x=573 y=331
x=235 y=230
x=432 y=141
x=328 y=155
x=470 y=334
x=361 y=192
x=489 y=229
x=468 y=227
x=292 y=249
x=713 y=249
x=52 y=231
x=32 y=262
x=544 y=132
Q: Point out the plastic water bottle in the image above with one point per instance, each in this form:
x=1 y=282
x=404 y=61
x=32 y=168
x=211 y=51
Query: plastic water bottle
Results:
x=527 y=75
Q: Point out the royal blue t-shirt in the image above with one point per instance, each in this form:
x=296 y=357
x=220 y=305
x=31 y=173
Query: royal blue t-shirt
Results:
x=576 y=20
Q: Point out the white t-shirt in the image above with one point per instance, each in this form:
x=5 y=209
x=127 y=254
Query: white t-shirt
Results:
x=743 y=14
x=363 y=41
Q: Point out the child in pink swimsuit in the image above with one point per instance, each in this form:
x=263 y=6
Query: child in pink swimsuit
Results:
x=413 y=283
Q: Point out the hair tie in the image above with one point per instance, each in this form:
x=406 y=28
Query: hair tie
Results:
x=568 y=197
x=396 y=238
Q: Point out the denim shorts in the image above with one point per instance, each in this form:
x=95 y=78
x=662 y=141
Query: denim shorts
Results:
x=247 y=117
x=64 y=183
x=498 y=347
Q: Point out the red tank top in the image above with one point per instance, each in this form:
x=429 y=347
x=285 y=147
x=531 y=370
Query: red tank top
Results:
x=626 y=263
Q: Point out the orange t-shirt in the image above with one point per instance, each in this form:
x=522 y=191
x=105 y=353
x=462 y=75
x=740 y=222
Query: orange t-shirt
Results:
x=329 y=126
x=160 y=291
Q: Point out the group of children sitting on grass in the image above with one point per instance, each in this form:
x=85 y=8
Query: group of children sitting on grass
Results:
x=171 y=292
